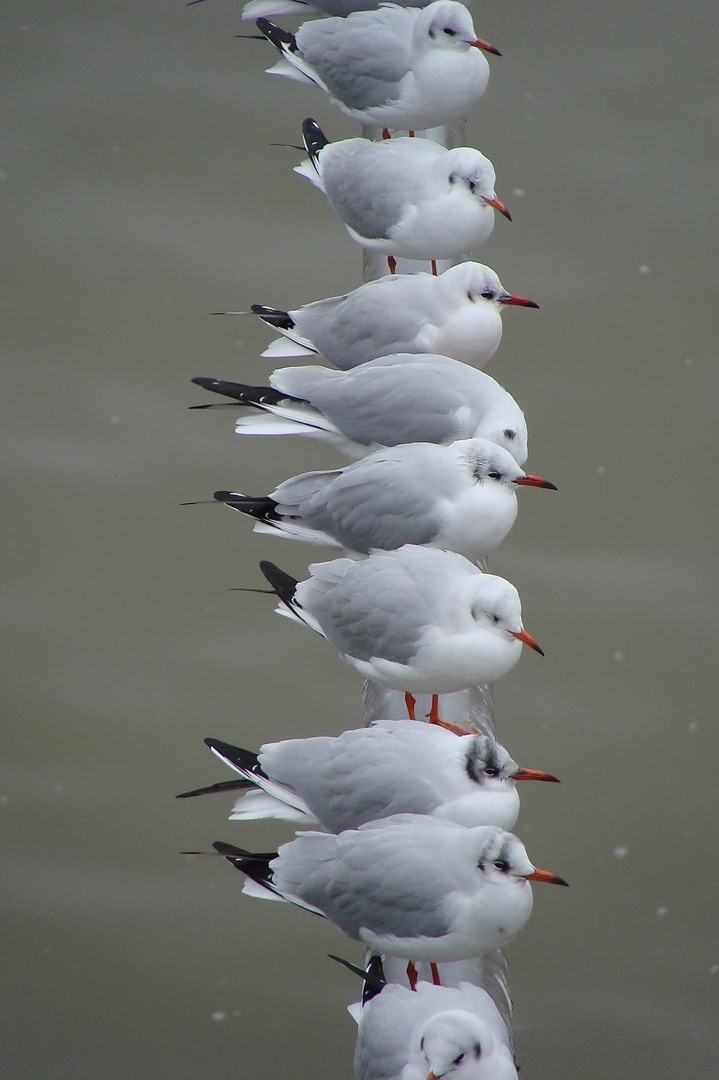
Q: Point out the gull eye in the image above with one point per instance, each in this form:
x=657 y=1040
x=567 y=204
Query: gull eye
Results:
x=471 y=185
x=494 y=475
x=491 y=770
x=458 y=1060
x=492 y=616
x=502 y=865
x=488 y=295
x=509 y=434
x=450 y=32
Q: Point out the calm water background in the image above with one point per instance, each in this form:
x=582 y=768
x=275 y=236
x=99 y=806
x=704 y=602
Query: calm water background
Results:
x=140 y=194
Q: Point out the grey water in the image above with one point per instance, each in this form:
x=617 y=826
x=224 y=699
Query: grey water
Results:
x=140 y=193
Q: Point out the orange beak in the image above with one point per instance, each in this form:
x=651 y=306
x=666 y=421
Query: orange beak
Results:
x=544 y=875
x=484 y=46
x=516 y=301
x=526 y=639
x=535 y=774
x=528 y=480
x=498 y=206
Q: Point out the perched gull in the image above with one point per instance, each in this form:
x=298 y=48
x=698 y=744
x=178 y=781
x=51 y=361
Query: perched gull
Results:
x=416 y=619
x=394 y=67
x=457 y=314
x=391 y=767
x=410 y=886
x=452 y=1033
x=460 y=497
x=405 y=198
x=388 y=401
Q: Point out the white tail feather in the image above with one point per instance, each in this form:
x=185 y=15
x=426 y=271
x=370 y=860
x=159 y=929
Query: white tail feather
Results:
x=257 y=805
x=288 y=346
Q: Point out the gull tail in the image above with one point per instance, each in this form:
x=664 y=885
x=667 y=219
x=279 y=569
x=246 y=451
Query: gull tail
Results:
x=260 y=878
x=267 y=799
x=284 y=588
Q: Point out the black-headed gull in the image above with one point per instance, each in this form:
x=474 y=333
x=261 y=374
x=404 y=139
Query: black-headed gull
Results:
x=399 y=68
x=417 y=619
x=388 y=401
x=405 y=198
x=456 y=314
x=460 y=497
x=391 y=767
x=410 y=886
x=449 y=1033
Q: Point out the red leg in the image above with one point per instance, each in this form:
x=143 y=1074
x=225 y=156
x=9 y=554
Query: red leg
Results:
x=411 y=134
x=386 y=134
x=433 y=713
x=412 y=975
x=410 y=703
x=435 y=974
x=392 y=263
x=434 y=267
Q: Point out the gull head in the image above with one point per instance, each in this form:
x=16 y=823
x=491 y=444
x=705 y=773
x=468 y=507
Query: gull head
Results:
x=447 y=25
x=453 y=1044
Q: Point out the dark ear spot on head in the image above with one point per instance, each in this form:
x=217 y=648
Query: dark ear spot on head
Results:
x=477 y=1051
x=509 y=434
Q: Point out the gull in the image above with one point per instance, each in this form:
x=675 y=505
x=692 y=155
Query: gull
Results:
x=448 y=1033
x=388 y=401
x=391 y=767
x=409 y=886
x=460 y=497
x=456 y=314
x=417 y=619
x=394 y=67
x=408 y=198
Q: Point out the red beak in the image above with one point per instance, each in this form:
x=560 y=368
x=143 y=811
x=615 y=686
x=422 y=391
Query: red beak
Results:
x=484 y=46
x=498 y=206
x=526 y=639
x=544 y=875
x=516 y=301
x=535 y=774
x=528 y=480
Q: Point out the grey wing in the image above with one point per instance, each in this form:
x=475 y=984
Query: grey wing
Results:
x=374 y=611
x=374 y=880
x=368 y=774
x=376 y=319
x=382 y=1047
x=369 y=194
x=361 y=59
x=346 y=7
x=405 y=402
x=382 y=502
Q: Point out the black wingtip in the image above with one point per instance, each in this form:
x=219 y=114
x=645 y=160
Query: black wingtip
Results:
x=216 y=789
x=274 y=316
x=313 y=137
x=372 y=975
x=281 y=39
x=283 y=584
x=235 y=755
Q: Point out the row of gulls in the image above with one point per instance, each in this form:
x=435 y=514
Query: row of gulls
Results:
x=409 y=850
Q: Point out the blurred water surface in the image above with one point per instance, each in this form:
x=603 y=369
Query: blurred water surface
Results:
x=141 y=193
